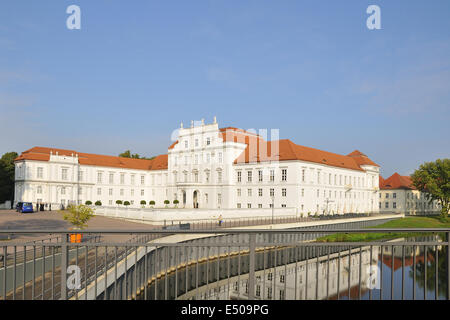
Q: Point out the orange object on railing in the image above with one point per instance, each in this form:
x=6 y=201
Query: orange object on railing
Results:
x=76 y=237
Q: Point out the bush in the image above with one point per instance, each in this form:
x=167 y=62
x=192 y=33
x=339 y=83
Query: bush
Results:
x=119 y=202
x=143 y=202
x=152 y=203
x=176 y=201
x=98 y=203
x=88 y=203
x=126 y=203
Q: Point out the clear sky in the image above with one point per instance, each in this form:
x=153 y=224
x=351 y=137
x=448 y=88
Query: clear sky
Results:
x=311 y=69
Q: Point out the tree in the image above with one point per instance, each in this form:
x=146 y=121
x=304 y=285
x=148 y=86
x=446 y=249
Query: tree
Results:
x=98 y=203
x=143 y=202
x=79 y=215
x=119 y=202
x=88 y=203
x=166 y=202
x=176 y=202
x=126 y=203
x=433 y=178
x=152 y=202
x=7 y=176
x=128 y=154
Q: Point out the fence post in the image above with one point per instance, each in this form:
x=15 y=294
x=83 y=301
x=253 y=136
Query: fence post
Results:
x=251 y=274
x=448 y=265
x=64 y=256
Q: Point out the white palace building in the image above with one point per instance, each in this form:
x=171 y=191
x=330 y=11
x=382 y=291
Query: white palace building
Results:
x=206 y=167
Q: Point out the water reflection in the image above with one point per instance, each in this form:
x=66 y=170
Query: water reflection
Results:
x=317 y=273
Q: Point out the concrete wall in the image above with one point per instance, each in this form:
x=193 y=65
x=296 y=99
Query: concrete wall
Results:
x=157 y=216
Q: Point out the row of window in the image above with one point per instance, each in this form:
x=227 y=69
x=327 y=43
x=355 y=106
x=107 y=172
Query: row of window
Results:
x=197 y=159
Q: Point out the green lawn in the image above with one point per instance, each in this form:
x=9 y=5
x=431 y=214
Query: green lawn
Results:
x=407 y=222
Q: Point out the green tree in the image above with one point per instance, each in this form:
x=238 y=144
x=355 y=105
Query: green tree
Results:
x=433 y=178
x=79 y=215
x=119 y=202
x=7 y=176
x=128 y=154
x=98 y=203
x=88 y=203
x=126 y=203
x=152 y=202
x=143 y=202
x=166 y=202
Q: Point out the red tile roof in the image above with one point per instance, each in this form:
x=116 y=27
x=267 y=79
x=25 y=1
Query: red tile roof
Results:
x=397 y=181
x=260 y=151
x=257 y=150
x=43 y=154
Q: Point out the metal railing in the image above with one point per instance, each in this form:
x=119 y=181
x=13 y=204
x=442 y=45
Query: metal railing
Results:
x=228 y=264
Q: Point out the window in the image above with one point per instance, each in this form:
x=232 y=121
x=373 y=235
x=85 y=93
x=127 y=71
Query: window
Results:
x=269 y=293
x=207 y=176
x=186 y=144
x=219 y=198
x=196 y=177
x=387 y=195
x=386 y=205
x=249 y=192
x=260 y=192
x=238 y=192
x=63 y=190
x=80 y=190
x=111 y=178
x=283 y=174
x=196 y=142
x=208 y=141
x=272 y=192
x=260 y=205
x=99 y=191
x=303 y=192
x=121 y=192
x=260 y=176
x=39 y=190
x=99 y=177
x=249 y=176
x=206 y=198
x=318 y=177
x=283 y=206
x=283 y=192
x=142 y=192
x=239 y=205
x=303 y=175
x=239 y=176
x=220 y=157
x=318 y=193
x=110 y=202
x=281 y=278
x=219 y=176
x=110 y=192
x=80 y=175
x=249 y=205
x=272 y=175
x=40 y=173
x=394 y=195
x=64 y=174
x=142 y=180
x=394 y=205
x=122 y=178
x=258 y=291
x=132 y=192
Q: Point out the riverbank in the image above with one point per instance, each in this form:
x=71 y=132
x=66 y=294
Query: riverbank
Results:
x=406 y=222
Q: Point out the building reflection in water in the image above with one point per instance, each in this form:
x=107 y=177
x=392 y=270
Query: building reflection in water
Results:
x=370 y=274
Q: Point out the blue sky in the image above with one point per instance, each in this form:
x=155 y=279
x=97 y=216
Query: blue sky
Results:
x=311 y=69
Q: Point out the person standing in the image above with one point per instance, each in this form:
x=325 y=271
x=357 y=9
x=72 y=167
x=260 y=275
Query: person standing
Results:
x=220 y=220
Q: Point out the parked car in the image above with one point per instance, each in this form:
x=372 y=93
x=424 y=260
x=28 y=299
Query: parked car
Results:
x=26 y=207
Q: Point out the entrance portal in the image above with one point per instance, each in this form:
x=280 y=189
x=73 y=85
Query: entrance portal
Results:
x=195 y=199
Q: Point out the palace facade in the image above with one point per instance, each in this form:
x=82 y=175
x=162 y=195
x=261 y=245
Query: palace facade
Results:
x=206 y=167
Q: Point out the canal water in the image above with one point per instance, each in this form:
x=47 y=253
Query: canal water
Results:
x=298 y=273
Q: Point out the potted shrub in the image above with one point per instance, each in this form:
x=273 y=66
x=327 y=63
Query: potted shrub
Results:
x=88 y=203
x=126 y=203
x=143 y=203
x=98 y=203
x=78 y=216
x=151 y=203
x=166 y=202
x=176 y=202
x=119 y=202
